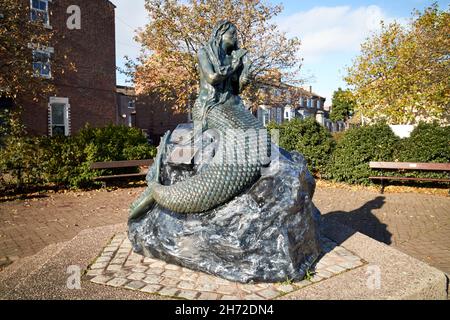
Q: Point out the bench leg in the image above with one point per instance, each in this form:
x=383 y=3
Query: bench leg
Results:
x=382 y=186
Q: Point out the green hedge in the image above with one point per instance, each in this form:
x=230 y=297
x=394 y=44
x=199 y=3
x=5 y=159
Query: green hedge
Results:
x=356 y=148
x=65 y=161
x=307 y=137
x=428 y=142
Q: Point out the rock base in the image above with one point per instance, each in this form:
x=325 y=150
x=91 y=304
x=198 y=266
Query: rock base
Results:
x=269 y=233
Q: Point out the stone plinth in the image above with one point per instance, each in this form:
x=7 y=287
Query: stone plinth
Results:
x=267 y=234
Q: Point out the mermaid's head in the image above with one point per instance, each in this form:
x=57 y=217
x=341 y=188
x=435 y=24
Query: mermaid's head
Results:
x=223 y=38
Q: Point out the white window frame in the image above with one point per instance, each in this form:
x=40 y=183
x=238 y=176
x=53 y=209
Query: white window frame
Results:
x=46 y=23
x=265 y=117
x=65 y=102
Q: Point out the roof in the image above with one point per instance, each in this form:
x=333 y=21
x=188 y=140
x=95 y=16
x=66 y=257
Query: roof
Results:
x=112 y=4
x=311 y=93
x=283 y=85
x=126 y=90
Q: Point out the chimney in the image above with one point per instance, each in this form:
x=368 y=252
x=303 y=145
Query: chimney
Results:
x=310 y=89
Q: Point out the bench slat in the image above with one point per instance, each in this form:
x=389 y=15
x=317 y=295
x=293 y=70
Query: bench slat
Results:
x=121 y=164
x=410 y=178
x=119 y=176
x=410 y=166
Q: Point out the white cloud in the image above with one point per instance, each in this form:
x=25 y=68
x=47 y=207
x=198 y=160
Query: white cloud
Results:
x=328 y=30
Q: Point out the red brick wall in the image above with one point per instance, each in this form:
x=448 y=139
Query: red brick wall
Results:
x=156 y=116
x=91 y=88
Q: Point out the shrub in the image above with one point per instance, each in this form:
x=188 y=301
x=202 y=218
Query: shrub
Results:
x=356 y=148
x=114 y=143
x=20 y=157
x=65 y=161
x=337 y=136
x=62 y=160
x=307 y=137
x=428 y=142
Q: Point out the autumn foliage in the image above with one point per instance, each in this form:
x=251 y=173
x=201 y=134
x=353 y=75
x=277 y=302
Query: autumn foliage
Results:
x=177 y=29
x=17 y=35
x=402 y=73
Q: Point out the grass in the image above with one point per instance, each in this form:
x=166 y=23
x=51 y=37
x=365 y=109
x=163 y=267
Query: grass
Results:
x=309 y=275
x=287 y=282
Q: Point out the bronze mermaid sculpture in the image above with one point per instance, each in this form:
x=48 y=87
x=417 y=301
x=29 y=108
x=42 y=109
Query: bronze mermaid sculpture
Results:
x=224 y=72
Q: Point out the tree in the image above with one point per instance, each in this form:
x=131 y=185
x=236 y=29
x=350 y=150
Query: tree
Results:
x=402 y=73
x=170 y=41
x=343 y=105
x=17 y=35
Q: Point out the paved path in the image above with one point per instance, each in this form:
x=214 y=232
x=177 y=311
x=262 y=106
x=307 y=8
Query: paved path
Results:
x=27 y=226
x=417 y=224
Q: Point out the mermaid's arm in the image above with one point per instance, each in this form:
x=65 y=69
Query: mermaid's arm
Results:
x=244 y=75
x=211 y=76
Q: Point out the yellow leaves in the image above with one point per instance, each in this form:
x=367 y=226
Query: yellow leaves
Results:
x=402 y=73
x=178 y=29
x=15 y=53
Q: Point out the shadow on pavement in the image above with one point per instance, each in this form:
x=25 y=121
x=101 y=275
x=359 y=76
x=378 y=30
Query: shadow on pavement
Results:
x=363 y=220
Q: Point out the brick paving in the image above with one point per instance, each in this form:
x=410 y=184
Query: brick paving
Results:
x=417 y=224
x=119 y=266
x=27 y=226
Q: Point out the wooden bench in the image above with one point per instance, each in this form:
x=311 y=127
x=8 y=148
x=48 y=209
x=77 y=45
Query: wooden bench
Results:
x=402 y=166
x=122 y=164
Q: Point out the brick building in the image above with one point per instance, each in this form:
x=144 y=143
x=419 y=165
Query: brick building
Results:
x=297 y=103
x=84 y=95
x=148 y=113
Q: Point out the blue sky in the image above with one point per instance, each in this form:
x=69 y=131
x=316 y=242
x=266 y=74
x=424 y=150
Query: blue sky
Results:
x=331 y=32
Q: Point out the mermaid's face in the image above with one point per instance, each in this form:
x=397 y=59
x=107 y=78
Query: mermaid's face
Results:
x=229 y=39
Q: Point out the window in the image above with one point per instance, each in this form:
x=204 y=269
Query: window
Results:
x=39 y=11
x=41 y=63
x=309 y=103
x=59 y=123
x=265 y=119
x=279 y=115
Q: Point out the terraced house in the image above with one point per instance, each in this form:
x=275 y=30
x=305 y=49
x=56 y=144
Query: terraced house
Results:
x=84 y=32
x=299 y=103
